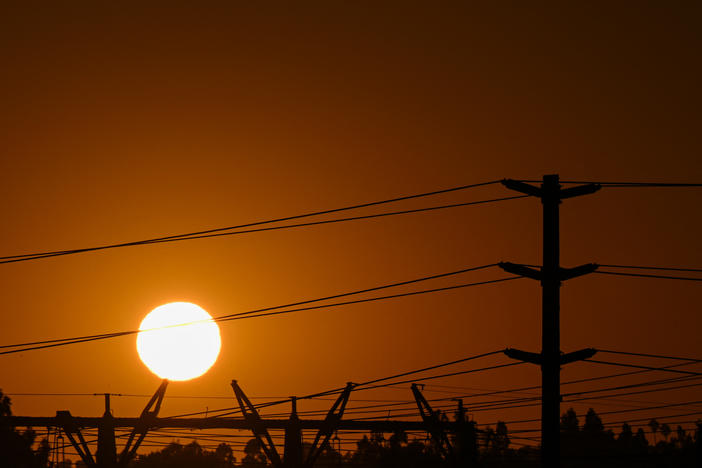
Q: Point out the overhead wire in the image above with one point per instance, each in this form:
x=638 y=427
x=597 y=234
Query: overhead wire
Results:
x=613 y=266
x=248 y=315
x=641 y=275
x=359 y=386
x=235 y=410
x=637 y=366
x=221 y=230
x=619 y=184
x=639 y=267
x=265 y=309
x=658 y=356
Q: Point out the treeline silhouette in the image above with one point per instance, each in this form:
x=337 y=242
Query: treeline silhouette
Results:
x=19 y=449
x=582 y=445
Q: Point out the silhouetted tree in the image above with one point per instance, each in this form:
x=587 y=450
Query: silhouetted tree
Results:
x=640 y=440
x=192 y=455
x=569 y=422
x=16 y=447
x=254 y=455
x=653 y=424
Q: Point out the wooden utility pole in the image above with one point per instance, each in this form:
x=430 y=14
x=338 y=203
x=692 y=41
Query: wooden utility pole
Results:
x=550 y=359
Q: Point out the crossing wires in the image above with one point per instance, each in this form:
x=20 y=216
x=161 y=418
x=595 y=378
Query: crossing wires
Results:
x=288 y=308
x=274 y=223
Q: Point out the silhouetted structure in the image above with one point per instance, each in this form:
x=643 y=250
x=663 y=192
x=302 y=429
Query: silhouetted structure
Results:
x=293 y=457
x=550 y=275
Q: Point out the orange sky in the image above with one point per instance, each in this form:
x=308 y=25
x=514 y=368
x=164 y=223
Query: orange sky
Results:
x=128 y=122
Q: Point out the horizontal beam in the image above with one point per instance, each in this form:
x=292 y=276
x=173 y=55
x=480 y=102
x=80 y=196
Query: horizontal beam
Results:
x=230 y=423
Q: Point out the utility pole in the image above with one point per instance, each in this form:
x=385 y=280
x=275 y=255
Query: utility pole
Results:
x=550 y=359
x=106 y=454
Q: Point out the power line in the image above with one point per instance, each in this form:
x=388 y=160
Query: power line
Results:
x=620 y=184
x=359 y=386
x=521 y=421
x=638 y=267
x=648 y=383
x=495 y=405
x=242 y=316
x=498 y=366
x=570 y=382
x=635 y=366
x=217 y=232
x=677 y=387
x=609 y=351
x=335 y=391
x=356 y=388
x=291 y=304
x=134 y=395
x=670 y=416
x=671 y=405
x=641 y=275
x=501 y=404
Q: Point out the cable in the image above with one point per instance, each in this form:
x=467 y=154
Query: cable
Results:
x=677 y=387
x=424 y=369
x=242 y=316
x=645 y=184
x=570 y=382
x=619 y=184
x=670 y=416
x=291 y=304
x=664 y=369
x=686 y=403
x=138 y=395
x=660 y=381
x=370 y=382
x=356 y=388
x=220 y=231
x=640 y=275
x=687 y=378
x=499 y=366
x=257 y=223
x=264 y=405
x=609 y=351
x=635 y=267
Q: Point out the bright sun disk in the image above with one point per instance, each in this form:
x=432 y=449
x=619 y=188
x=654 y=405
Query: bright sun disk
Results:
x=174 y=351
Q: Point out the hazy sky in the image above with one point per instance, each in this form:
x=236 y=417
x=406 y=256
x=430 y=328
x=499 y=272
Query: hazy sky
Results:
x=127 y=121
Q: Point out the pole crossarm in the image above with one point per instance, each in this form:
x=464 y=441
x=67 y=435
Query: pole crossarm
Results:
x=521 y=270
x=526 y=356
x=528 y=189
x=433 y=424
x=143 y=424
x=564 y=274
x=522 y=187
x=331 y=422
x=579 y=355
x=579 y=190
x=537 y=358
x=255 y=424
x=71 y=427
x=569 y=273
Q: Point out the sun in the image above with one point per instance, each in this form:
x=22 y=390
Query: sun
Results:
x=175 y=351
